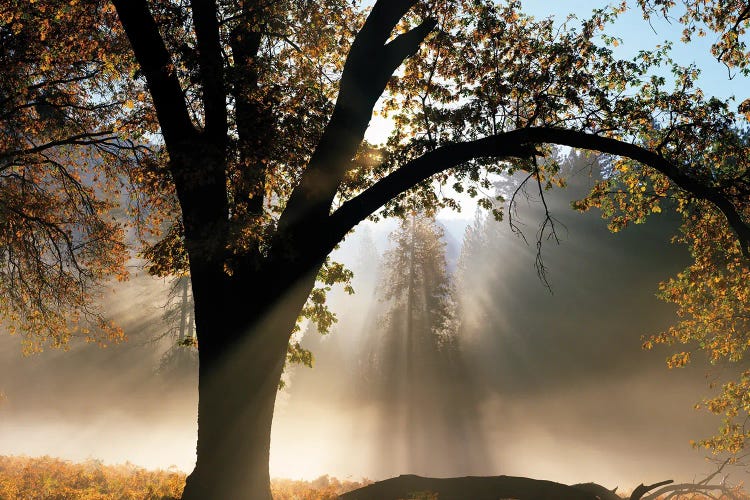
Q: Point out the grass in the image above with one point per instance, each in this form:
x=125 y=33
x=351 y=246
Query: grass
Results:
x=48 y=478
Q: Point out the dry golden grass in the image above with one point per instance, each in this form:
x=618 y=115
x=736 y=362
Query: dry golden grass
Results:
x=48 y=478
x=323 y=488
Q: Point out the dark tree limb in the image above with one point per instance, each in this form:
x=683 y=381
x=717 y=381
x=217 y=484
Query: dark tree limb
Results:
x=211 y=63
x=158 y=68
x=368 y=67
x=677 y=174
x=254 y=135
x=197 y=160
x=521 y=143
x=642 y=489
x=412 y=173
x=383 y=17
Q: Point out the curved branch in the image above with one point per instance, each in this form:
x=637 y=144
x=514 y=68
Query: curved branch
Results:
x=412 y=173
x=520 y=143
x=642 y=489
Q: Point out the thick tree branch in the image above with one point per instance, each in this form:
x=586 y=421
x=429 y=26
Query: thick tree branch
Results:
x=252 y=117
x=156 y=64
x=254 y=124
x=412 y=173
x=642 y=489
x=406 y=44
x=197 y=162
x=368 y=67
x=384 y=16
x=675 y=173
x=211 y=64
x=520 y=143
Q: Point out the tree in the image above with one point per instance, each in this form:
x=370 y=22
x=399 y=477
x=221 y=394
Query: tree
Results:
x=712 y=293
x=261 y=110
x=56 y=156
x=417 y=371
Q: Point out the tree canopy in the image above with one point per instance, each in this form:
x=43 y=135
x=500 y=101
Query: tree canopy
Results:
x=231 y=132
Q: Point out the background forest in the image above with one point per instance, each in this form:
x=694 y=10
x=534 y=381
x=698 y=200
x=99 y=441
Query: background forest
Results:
x=439 y=364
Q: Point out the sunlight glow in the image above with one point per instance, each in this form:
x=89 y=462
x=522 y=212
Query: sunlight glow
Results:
x=379 y=130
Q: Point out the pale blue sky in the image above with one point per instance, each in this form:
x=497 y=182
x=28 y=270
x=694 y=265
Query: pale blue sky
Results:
x=636 y=35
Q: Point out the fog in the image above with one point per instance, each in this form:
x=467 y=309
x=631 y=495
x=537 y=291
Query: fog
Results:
x=547 y=384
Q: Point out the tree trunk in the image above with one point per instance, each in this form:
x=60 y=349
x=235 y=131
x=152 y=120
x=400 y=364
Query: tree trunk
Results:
x=238 y=382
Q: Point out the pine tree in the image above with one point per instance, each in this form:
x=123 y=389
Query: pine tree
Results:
x=417 y=361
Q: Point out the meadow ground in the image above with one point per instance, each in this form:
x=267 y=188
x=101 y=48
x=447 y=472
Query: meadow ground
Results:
x=49 y=478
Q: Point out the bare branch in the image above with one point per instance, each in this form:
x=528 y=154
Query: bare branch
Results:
x=642 y=489
x=84 y=139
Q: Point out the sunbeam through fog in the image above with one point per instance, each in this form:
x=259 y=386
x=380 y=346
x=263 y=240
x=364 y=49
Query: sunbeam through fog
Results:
x=452 y=358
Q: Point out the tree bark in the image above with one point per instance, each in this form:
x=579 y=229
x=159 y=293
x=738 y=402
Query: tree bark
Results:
x=241 y=361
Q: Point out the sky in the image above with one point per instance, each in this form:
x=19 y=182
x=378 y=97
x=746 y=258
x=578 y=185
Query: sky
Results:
x=639 y=34
x=636 y=34
x=568 y=397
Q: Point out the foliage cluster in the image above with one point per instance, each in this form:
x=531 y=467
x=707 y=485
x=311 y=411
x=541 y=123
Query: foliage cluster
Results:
x=712 y=294
x=72 y=167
